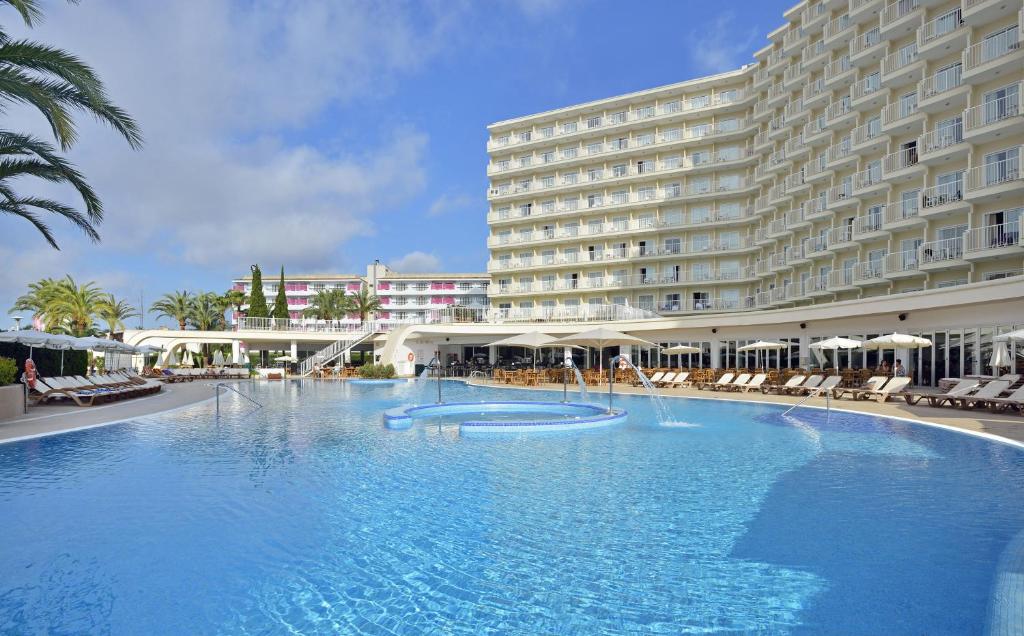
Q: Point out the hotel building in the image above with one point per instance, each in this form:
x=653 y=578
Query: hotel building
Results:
x=404 y=297
x=871 y=150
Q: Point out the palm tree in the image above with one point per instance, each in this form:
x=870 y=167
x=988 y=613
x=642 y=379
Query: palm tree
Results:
x=176 y=306
x=39 y=300
x=364 y=303
x=329 y=304
x=206 y=312
x=234 y=298
x=75 y=305
x=114 y=312
x=56 y=83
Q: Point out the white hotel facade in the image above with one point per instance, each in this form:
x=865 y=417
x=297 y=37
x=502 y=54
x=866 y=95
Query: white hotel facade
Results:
x=871 y=150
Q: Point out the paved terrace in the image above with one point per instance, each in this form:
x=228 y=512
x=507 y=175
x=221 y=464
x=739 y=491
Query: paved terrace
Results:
x=46 y=419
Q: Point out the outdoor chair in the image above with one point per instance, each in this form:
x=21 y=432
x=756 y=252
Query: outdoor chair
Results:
x=962 y=388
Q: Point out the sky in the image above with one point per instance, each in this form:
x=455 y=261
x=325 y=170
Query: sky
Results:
x=321 y=135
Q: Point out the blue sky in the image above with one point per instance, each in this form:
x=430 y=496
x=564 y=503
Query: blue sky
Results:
x=323 y=135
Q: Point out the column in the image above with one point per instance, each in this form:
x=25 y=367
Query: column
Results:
x=492 y=355
x=295 y=350
x=236 y=352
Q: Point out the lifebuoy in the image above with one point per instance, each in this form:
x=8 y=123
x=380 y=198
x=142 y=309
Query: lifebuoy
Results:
x=30 y=373
x=411 y=356
x=622 y=364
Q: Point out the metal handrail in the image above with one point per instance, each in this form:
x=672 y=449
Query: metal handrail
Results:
x=217 y=387
x=814 y=393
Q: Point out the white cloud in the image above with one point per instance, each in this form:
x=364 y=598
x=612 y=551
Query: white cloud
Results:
x=450 y=203
x=219 y=89
x=539 y=8
x=719 y=47
x=414 y=262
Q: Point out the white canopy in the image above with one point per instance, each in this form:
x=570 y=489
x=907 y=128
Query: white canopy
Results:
x=680 y=349
x=218 y=358
x=530 y=340
x=29 y=338
x=832 y=344
x=285 y=358
x=1000 y=356
x=99 y=344
x=762 y=345
x=186 y=359
x=602 y=337
x=898 y=341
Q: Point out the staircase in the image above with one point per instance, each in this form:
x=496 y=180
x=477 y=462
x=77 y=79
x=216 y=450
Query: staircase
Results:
x=338 y=348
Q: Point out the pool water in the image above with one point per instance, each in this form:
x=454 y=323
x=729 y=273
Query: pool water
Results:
x=308 y=516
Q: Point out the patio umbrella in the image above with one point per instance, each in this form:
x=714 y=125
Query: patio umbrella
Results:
x=761 y=345
x=897 y=341
x=680 y=349
x=186 y=359
x=1000 y=356
x=172 y=359
x=532 y=340
x=218 y=358
x=833 y=344
x=600 y=338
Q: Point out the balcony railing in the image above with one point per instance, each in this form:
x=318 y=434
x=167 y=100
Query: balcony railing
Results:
x=899 y=160
x=940 y=138
x=815 y=284
x=897 y=262
x=599 y=256
x=949 y=249
x=840 y=277
x=840 y=234
x=992 y=237
x=837 y=27
x=902 y=211
x=866 y=86
x=993 y=174
x=840 y=192
x=940 y=26
x=812 y=50
x=837 y=109
x=817 y=87
x=866 y=132
x=865 y=41
x=941 y=82
x=899 y=60
x=991 y=49
x=992 y=112
x=871 y=270
x=867 y=178
x=896 y=111
x=869 y=223
x=942 y=194
x=897 y=10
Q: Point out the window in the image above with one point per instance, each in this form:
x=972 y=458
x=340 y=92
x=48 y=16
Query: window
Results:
x=700 y=157
x=570 y=204
x=645 y=166
x=547 y=157
x=673 y=246
x=645 y=139
x=595 y=148
x=619 y=170
x=570 y=178
x=547 y=207
x=594 y=122
x=672 y=107
x=1002 y=166
x=618 y=118
x=673 y=190
x=568 y=128
x=619 y=144
x=525 y=136
x=547 y=181
x=949 y=131
x=594 y=200
x=620 y=196
x=699 y=130
x=672 y=134
x=908 y=104
x=570 y=153
x=645 y=193
x=729 y=153
x=594 y=174
x=644 y=112
x=947 y=22
x=547 y=132
x=1000 y=104
x=728 y=125
x=999 y=43
x=701 y=101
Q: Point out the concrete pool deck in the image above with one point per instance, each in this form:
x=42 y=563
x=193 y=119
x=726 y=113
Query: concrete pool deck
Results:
x=54 y=418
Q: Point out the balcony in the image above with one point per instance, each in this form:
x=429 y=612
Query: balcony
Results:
x=838 y=32
x=817 y=246
x=841 y=238
x=795 y=183
x=942 y=200
x=776 y=95
x=815 y=92
x=779 y=261
x=869 y=273
x=762 y=205
x=868 y=138
x=795 y=219
x=867 y=94
x=901 y=165
x=815 y=209
x=793 y=40
x=977 y=12
x=990 y=121
x=815 y=130
x=901 y=265
x=869 y=226
x=840 y=196
x=840 y=113
x=840 y=280
x=795 y=112
x=941 y=254
x=942 y=35
x=867 y=49
x=839 y=72
x=993 y=241
x=901 y=117
x=761 y=141
x=793 y=76
x=778 y=228
x=817 y=169
x=816 y=286
x=869 y=182
x=864 y=11
x=900 y=17
x=796 y=146
x=761 y=79
x=814 y=56
x=777 y=161
x=778 y=128
x=902 y=214
x=993 y=57
x=995 y=180
x=841 y=154
x=777 y=194
x=902 y=67
x=814 y=16
x=942 y=90
x=942 y=144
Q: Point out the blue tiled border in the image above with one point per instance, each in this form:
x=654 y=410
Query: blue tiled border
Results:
x=588 y=416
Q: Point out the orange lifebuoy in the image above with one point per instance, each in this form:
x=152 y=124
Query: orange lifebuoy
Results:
x=30 y=373
x=411 y=356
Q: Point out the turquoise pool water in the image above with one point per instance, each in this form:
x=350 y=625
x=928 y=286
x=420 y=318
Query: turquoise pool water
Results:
x=310 y=517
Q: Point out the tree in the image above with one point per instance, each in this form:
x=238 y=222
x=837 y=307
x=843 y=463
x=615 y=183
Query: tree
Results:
x=234 y=299
x=56 y=83
x=39 y=300
x=206 y=312
x=114 y=312
x=364 y=303
x=281 y=302
x=75 y=305
x=329 y=304
x=176 y=306
x=257 y=301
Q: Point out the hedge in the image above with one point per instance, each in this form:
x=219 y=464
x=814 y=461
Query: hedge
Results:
x=47 y=360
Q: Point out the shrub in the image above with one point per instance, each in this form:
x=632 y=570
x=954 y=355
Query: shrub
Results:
x=47 y=360
x=8 y=371
x=377 y=371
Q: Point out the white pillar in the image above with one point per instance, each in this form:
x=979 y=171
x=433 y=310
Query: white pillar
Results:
x=492 y=355
x=805 y=350
x=295 y=350
x=236 y=352
x=716 y=354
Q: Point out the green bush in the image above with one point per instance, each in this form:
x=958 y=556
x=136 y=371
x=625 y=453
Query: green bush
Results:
x=47 y=360
x=377 y=371
x=8 y=371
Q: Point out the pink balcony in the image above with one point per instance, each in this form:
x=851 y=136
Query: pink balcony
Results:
x=383 y=285
x=353 y=287
x=449 y=285
x=436 y=300
x=385 y=300
x=437 y=285
x=298 y=302
x=295 y=315
x=238 y=287
x=385 y=315
x=295 y=287
x=449 y=300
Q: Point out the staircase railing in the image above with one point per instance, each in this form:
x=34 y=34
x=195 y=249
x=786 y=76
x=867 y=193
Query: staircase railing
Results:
x=332 y=351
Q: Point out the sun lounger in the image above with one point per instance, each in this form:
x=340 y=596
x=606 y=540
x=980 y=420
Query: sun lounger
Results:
x=1013 y=401
x=791 y=383
x=755 y=383
x=962 y=388
x=44 y=392
x=991 y=390
x=873 y=383
x=827 y=385
x=665 y=379
x=740 y=380
x=812 y=382
x=654 y=379
x=681 y=379
x=725 y=379
x=891 y=388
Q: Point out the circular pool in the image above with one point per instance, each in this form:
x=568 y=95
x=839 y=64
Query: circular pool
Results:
x=507 y=416
x=308 y=516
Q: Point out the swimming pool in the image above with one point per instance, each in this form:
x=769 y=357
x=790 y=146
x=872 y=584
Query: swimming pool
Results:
x=310 y=516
